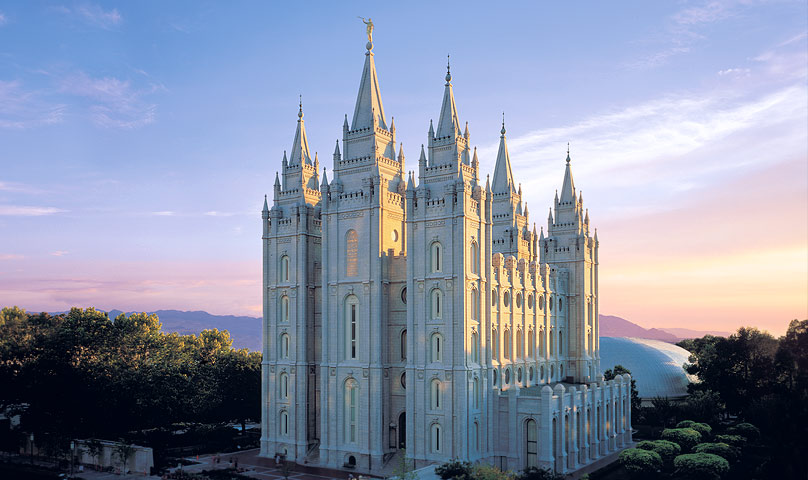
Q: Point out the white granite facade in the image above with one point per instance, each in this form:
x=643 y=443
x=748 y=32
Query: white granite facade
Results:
x=429 y=316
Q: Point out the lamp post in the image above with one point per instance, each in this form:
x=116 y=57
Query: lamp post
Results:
x=31 y=438
x=72 y=455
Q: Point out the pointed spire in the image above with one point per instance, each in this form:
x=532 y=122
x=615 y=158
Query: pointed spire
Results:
x=300 y=146
x=466 y=131
x=285 y=162
x=568 y=188
x=541 y=237
x=369 y=110
x=448 y=122
x=324 y=183
x=503 y=178
x=526 y=212
x=550 y=218
x=345 y=123
x=431 y=129
x=401 y=152
x=336 y=150
x=410 y=182
x=586 y=219
x=266 y=206
x=474 y=160
x=488 y=183
x=422 y=158
x=392 y=124
x=277 y=184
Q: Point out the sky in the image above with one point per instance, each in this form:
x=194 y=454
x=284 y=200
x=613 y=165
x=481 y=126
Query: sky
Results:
x=137 y=140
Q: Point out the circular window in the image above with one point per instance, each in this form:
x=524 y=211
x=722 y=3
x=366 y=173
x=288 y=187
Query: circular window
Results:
x=507 y=376
x=494 y=297
x=404 y=295
x=530 y=374
x=519 y=300
x=404 y=380
x=394 y=235
x=519 y=374
x=506 y=299
x=560 y=304
x=541 y=303
x=496 y=374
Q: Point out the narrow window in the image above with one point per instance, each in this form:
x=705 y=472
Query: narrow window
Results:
x=475 y=305
x=404 y=344
x=532 y=447
x=435 y=394
x=475 y=258
x=531 y=343
x=437 y=347
x=351 y=253
x=437 y=257
x=475 y=347
x=351 y=326
x=476 y=393
x=435 y=436
x=351 y=388
x=284 y=309
x=284 y=423
x=284 y=385
x=284 y=277
x=494 y=344
x=506 y=348
x=437 y=303
x=560 y=343
x=519 y=343
x=284 y=346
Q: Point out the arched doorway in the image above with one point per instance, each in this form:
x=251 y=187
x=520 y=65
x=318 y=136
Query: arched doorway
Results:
x=402 y=430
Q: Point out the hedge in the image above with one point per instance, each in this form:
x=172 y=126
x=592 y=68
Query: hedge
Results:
x=721 y=449
x=746 y=430
x=639 y=462
x=701 y=466
x=666 y=449
x=687 y=438
x=733 y=440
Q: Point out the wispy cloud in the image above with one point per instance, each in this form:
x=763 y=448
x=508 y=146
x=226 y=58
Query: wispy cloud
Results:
x=17 y=187
x=164 y=213
x=114 y=103
x=3 y=19
x=11 y=256
x=59 y=253
x=28 y=211
x=92 y=14
x=24 y=108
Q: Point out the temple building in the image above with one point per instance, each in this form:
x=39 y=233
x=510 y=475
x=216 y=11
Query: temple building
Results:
x=429 y=314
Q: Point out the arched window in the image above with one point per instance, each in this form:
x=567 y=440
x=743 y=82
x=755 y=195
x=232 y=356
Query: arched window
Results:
x=507 y=376
x=284 y=346
x=550 y=302
x=532 y=443
x=476 y=436
x=552 y=342
x=475 y=305
x=560 y=304
x=494 y=344
x=437 y=303
x=542 y=343
x=284 y=385
x=435 y=438
x=437 y=257
x=495 y=377
x=284 y=309
x=530 y=301
x=435 y=394
x=437 y=347
x=530 y=374
x=506 y=347
x=404 y=344
x=561 y=371
x=475 y=390
x=518 y=300
x=541 y=373
x=351 y=406
x=475 y=347
x=283 y=423
x=519 y=374
x=475 y=258
x=284 y=273
x=351 y=326
x=531 y=343
x=541 y=302
x=404 y=295
x=520 y=343
x=494 y=297
x=506 y=299
x=560 y=343
x=351 y=253
x=552 y=373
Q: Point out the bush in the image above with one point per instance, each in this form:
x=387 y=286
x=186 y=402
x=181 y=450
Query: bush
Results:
x=685 y=424
x=701 y=466
x=736 y=441
x=455 y=469
x=533 y=473
x=666 y=449
x=721 y=449
x=687 y=438
x=640 y=463
x=746 y=430
x=704 y=429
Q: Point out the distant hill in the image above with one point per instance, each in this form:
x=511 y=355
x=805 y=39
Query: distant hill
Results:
x=688 y=333
x=611 y=326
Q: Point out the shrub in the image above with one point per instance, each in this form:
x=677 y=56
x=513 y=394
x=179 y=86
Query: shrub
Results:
x=487 y=472
x=685 y=424
x=455 y=469
x=736 y=441
x=687 y=438
x=746 y=430
x=701 y=466
x=704 y=429
x=721 y=449
x=640 y=463
x=533 y=473
x=666 y=449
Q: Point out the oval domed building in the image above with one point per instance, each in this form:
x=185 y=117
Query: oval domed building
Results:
x=654 y=364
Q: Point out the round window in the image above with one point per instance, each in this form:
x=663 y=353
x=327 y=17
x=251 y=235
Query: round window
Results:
x=541 y=303
x=494 y=297
x=404 y=380
x=394 y=235
x=506 y=299
x=530 y=301
x=519 y=374
x=507 y=376
x=404 y=295
x=519 y=300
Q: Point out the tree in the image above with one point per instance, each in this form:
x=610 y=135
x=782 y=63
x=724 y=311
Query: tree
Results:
x=123 y=451
x=640 y=463
x=636 y=403
x=454 y=470
x=701 y=466
x=94 y=449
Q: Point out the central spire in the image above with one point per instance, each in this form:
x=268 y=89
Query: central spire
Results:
x=300 y=147
x=568 y=188
x=448 y=122
x=503 y=178
x=369 y=109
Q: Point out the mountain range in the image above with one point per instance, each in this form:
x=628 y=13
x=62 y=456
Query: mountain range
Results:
x=246 y=331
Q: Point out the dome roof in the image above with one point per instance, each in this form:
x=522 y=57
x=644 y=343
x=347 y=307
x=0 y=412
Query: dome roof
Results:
x=654 y=364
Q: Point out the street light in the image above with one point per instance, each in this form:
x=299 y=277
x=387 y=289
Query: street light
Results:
x=31 y=438
x=72 y=455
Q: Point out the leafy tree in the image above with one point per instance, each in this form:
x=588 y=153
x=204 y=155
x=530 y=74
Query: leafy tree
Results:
x=687 y=438
x=640 y=463
x=123 y=451
x=636 y=403
x=454 y=470
x=701 y=466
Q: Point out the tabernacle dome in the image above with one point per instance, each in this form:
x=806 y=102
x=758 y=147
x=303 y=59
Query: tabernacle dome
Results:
x=654 y=364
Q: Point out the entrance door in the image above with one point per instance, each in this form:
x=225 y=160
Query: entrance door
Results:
x=402 y=430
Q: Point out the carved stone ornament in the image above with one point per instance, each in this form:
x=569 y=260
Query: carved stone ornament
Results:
x=386 y=372
x=272 y=369
x=448 y=374
x=420 y=375
x=333 y=371
x=365 y=372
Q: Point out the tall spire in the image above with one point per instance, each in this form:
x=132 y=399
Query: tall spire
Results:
x=448 y=124
x=369 y=108
x=300 y=146
x=503 y=178
x=568 y=188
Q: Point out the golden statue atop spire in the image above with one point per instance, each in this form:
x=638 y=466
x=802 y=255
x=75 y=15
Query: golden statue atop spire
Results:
x=369 y=23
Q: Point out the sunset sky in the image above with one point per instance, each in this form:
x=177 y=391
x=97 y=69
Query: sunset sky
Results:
x=137 y=140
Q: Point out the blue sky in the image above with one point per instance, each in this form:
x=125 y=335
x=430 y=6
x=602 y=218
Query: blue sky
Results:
x=138 y=139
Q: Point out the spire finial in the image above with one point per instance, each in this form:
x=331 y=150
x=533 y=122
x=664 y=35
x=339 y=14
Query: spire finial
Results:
x=568 y=153
x=503 y=124
x=300 y=104
x=448 y=70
